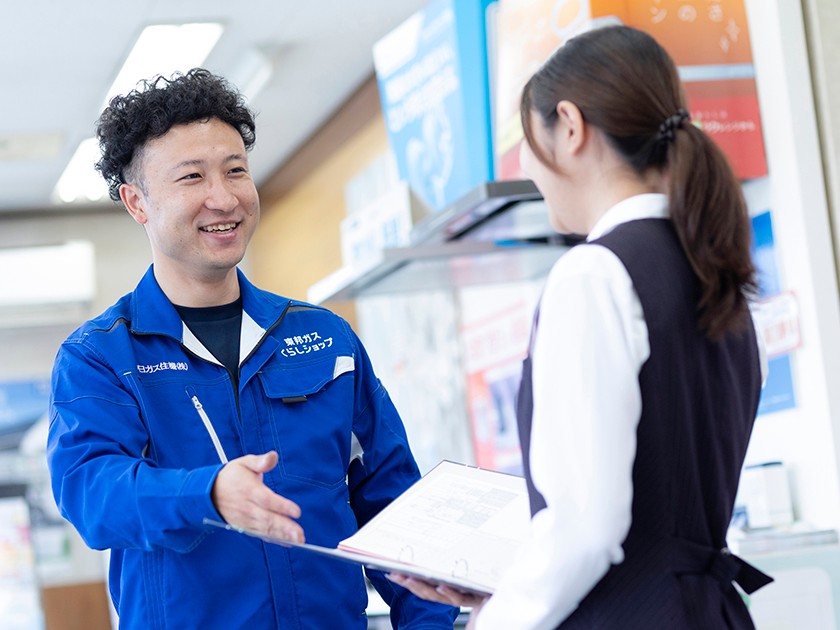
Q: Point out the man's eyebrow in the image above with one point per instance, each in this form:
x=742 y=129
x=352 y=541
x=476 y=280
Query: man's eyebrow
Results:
x=188 y=163
x=233 y=157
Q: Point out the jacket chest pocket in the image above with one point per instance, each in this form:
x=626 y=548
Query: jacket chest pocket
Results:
x=311 y=416
x=187 y=419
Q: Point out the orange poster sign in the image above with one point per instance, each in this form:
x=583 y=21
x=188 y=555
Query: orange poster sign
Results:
x=695 y=32
x=708 y=39
x=527 y=32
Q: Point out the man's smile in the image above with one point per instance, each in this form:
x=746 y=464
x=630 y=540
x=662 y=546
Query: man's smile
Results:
x=219 y=227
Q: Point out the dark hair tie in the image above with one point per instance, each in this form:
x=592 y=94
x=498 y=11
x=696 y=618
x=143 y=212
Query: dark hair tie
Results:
x=671 y=124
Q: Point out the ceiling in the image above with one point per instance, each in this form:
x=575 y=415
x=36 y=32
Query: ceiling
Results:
x=60 y=57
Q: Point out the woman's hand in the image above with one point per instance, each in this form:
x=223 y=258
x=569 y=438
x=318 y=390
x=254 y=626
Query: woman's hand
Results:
x=441 y=593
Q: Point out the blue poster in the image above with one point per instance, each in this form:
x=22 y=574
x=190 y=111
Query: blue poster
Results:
x=21 y=404
x=778 y=391
x=433 y=79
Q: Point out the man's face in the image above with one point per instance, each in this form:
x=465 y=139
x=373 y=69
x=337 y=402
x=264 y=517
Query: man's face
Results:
x=196 y=198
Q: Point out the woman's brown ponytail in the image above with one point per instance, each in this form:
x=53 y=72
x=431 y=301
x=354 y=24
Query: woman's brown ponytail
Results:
x=625 y=84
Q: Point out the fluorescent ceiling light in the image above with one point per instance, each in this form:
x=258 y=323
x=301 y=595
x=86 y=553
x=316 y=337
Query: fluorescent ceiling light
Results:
x=161 y=49
x=164 y=49
x=252 y=73
x=80 y=181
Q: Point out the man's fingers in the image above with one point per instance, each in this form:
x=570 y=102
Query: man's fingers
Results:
x=278 y=504
x=263 y=499
x=243 y=500
x=260 y=463
x=271 y=514
x=286 y=529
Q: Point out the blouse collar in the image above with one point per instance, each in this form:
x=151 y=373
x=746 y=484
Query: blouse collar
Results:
x=644 y=206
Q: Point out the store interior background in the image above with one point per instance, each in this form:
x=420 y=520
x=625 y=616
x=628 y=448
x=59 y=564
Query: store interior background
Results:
x=323 y=154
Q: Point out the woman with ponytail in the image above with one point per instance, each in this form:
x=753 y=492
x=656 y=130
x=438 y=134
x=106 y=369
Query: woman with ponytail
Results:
x=644 y=370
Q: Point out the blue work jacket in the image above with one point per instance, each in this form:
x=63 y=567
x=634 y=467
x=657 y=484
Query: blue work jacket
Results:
x=142 y=419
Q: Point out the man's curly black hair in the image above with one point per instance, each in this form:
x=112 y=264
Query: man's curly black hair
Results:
x=150 y=111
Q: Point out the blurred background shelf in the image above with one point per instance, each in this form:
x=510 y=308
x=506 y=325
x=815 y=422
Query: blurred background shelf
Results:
x=498 y=232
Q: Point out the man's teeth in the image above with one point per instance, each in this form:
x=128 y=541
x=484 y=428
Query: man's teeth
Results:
x=222 y=227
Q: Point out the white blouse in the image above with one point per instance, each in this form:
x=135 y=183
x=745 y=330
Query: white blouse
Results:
x=590 y=346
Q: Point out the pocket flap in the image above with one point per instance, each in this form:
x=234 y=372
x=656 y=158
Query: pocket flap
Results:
x=304 y=380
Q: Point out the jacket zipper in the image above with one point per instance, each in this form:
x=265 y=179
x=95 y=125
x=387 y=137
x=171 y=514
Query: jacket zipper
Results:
x=200 y=408
x=250 y=354
x=209 y=426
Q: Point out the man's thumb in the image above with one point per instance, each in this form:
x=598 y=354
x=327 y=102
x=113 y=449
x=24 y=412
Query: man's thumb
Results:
x=265 y=462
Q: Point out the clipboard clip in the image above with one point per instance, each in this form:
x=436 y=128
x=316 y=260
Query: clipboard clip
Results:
x=460 y=569
x=406 y=554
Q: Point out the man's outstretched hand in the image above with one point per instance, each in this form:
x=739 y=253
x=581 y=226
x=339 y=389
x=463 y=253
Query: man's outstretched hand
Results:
x=243 y=500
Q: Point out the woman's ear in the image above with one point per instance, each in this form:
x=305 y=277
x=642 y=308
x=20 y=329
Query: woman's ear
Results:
x=132 y=198
x=571 y=126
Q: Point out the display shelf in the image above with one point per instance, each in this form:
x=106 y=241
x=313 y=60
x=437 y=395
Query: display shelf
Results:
x=473 y=209
x=498 y=232
x=418 y=268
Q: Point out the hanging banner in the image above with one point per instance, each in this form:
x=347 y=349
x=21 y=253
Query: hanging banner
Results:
x=434 y=83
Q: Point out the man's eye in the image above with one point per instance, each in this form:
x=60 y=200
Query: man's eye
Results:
x=239 y=169
x=191 y=176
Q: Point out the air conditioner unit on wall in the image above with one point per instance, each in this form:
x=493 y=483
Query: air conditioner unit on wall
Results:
x=47 y=284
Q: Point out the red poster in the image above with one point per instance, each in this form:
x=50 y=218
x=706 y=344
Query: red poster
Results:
x=728 y=111
x=495 y=343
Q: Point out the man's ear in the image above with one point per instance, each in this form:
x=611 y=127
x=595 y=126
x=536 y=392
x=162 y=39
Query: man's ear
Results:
x=572 y=127
x=132 y=198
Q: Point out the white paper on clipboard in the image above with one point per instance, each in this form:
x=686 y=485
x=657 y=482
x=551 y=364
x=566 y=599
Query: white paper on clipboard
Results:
x=458 y=525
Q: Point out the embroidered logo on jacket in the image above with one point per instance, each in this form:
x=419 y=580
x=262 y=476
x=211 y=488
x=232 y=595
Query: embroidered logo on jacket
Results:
x=304 y=344
x=163 y=365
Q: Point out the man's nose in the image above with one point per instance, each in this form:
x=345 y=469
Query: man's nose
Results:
x=221 y=195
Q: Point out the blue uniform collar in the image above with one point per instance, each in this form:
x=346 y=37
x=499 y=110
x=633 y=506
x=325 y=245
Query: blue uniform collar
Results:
x=263 y=307
x=151 y=310
x=153 y=313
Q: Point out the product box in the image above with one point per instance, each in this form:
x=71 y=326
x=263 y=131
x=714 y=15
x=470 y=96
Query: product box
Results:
x=434 y=83
x=709 y=41
x=765 y=494
x=383 y=223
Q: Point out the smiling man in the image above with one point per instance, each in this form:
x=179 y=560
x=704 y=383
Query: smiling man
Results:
x=199 y=396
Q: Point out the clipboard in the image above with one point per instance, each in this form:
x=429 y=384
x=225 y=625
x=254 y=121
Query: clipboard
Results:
x=371 y=562
x=458 y=525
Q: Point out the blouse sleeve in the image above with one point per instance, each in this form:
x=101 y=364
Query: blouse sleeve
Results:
x=589 y=348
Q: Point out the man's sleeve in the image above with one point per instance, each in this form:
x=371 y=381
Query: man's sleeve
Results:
x=102 y=481
x=382 y=470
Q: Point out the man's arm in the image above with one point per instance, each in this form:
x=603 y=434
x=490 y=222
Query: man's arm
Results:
x=117 y=497
x=384 y=469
